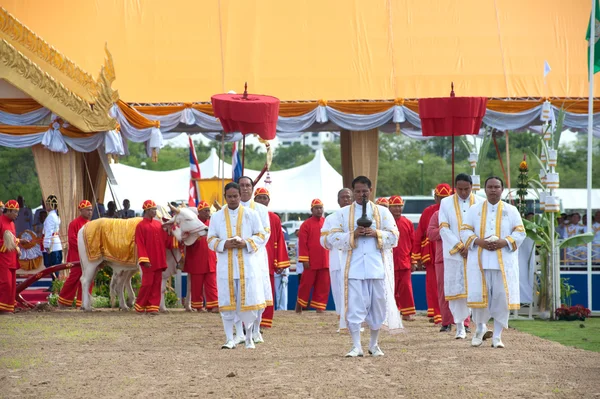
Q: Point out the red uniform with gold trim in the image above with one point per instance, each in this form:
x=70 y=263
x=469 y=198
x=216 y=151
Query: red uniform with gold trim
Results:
x=72 y=286
x=433 y=232
x=278 y=259
x=316 y=277
x=9 y=263
x=201 y=266
x=402 y=267
x=151 y=242
x=424 y=250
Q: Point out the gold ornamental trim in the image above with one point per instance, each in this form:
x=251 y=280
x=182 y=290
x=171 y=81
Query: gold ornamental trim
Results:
x=26 y=75
x=20 y=35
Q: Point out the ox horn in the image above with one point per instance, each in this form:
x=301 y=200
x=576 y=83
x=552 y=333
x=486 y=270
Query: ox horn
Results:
x=173 y=209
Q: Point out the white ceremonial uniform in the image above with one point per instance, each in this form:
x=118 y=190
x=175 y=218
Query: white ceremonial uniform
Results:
x=493 y=276
x=263 y=213
x=51 y=232
x=335 y=264
x=239 y=273
x=453 y=209
x=367 y=268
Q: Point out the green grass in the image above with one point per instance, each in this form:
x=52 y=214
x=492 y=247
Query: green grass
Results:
x=569 y=333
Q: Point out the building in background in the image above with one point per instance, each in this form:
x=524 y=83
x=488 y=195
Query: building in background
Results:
x=314 y=140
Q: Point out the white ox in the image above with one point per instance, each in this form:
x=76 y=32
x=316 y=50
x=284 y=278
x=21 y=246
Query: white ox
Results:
x=184 y=226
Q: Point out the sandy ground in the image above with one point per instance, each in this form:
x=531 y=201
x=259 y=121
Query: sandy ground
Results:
x=112 y=354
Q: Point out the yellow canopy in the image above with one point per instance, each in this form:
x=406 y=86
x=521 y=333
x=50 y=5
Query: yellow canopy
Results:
x=187 y=50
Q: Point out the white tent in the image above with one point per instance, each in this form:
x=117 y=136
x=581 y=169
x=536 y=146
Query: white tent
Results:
x=292 y=190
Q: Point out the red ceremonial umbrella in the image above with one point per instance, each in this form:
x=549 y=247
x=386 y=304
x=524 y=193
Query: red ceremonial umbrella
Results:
x=247 y=113
x=451 y=116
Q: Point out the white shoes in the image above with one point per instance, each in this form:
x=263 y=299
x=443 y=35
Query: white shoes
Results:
x=239 y=339
x=497 y=343
x=479 y=337
x=376 y=351
x=355 y=352
x=461 y=335
x=250 y=344
x=228 y=345
x=257 y=338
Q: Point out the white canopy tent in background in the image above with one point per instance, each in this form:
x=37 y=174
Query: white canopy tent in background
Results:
x=292 y=190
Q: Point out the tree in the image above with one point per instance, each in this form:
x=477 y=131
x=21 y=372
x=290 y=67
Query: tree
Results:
x=19 y=176
x=292 y=156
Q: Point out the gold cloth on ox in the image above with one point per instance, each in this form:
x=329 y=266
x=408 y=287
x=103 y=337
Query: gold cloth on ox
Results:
x=113 y=239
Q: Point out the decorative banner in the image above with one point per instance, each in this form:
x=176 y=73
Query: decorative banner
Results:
x=476 y=182
x=552 y=158
x=552 y=181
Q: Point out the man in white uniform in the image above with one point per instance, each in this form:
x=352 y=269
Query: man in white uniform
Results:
x=367 y=268
x=246 y=191
x=52 y=245
x=335 y=267
x=492 y=231
x=452 y=211
x=236 y=234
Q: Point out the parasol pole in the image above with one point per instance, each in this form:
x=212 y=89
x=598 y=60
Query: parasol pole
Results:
x=452 y=179
x=222 y=167
x=243 y=153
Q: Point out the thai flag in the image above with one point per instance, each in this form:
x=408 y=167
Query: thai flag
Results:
x=236 y=164
x=194 y=191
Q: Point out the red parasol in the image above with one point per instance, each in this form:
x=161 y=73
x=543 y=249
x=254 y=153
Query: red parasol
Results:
x=248 y=113
x=451 y=116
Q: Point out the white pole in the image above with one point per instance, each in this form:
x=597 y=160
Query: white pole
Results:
x=592 y=43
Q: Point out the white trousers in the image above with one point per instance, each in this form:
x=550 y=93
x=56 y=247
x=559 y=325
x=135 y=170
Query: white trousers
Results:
x=366 y=303
x=247 y=317
x=459 y=309
x=497 y=301
x=335 y=276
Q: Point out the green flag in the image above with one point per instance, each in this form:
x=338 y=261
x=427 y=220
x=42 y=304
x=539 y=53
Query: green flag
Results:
x=597 y=36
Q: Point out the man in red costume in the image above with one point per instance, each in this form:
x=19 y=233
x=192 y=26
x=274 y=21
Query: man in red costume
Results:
x=9 y=257
x=315 y=260
x=72 y=285
x=201 y=266
x=383 y=202
x=423 y=253
x=433 y=232
x=402 y=264
x=151 y=242
x=276 y=251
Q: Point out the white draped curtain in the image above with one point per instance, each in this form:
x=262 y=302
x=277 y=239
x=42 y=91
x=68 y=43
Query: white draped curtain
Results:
x=322 y=118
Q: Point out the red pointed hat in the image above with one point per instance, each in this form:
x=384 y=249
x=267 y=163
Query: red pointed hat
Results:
x=396 y=200
x=203 y=205
x=12 y=204
x=316 y=202
x=382 y=201
x=262 y=191
x=443 y=190
x=84 y=204
x=148 y=204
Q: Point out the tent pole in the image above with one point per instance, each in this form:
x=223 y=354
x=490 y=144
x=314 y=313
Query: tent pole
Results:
x=510 y=198
x=591 y=58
